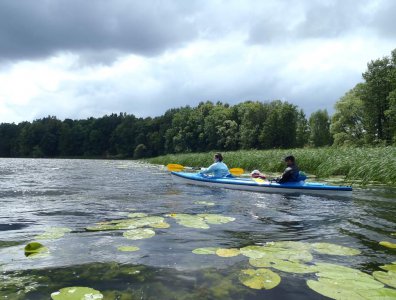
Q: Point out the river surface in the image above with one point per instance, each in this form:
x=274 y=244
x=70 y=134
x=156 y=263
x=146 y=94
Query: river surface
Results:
x=38 y=194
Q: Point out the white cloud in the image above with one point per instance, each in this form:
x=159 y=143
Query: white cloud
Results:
x=235 y=58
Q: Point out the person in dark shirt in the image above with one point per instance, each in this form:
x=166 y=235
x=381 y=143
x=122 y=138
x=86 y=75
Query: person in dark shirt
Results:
x=291 y=173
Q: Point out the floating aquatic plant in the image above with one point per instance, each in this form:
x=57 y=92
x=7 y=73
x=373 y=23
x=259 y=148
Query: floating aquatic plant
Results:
x=388 y=244
x=293 y=267
x=35 y=249
x=139 y=233
x=192 y=221
x=333 y=249
x=216 y=219
x=227 y=252
x=133 y=223
x=259 y=278
x=390 y=267
x=389 y=278
x=128 y=248
x=76 y=293
x=53 y=233
x=201 y=220
x=340 y=282
x=137 y=215
x=205 y=250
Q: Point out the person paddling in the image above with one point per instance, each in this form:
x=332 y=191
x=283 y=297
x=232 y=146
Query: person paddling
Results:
x=291 y=173
x=218 y=168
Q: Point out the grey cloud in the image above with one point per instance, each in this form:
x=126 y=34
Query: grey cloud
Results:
x=36 y=29
x=322 y=19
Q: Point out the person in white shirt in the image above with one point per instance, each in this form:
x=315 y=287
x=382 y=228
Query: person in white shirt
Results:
x=218 y=169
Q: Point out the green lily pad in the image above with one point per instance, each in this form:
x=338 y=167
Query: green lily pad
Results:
x=139 y=233
x=216 y=219
x=390 y=267
x=388 y=244
x=293 y=245
x=227 y=252
x=333 y=249
x=262 y=262
x=191 y=221
x=293 y=267
x=389 y=278
x=128 y=248
x=35 y=249
x=253 y=252
x=102 y=227
x=205 y=203
x=383 y=294
x=332 y=290
x=351 y=278
x=393 y=233
x=205 y=250
x=272 y=253
x=160 y=225
x=259 y=278
x=137 y=215
x=53 y=233
x=76 y=293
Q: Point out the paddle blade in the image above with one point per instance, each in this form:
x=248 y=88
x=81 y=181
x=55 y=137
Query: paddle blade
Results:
x=175 y=167
x=237 y=171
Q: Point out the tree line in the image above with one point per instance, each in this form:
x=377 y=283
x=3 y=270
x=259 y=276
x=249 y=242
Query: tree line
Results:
x=364 y=115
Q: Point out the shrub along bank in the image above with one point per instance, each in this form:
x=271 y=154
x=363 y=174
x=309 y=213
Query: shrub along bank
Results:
x=366 y=165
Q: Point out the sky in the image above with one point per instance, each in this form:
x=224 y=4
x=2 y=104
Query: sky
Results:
x=76 y=59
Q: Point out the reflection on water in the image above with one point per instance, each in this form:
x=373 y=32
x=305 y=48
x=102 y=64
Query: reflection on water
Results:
x=37 y=194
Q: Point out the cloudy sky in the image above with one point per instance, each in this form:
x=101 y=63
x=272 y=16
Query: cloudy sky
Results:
x=76 y=59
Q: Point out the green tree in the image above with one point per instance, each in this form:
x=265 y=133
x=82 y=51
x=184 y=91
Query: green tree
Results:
x=380 y=81
x=347 y=125
x=319 y=123
x=302 y=130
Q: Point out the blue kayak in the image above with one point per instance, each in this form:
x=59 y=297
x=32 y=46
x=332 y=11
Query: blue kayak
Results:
x=259 y=185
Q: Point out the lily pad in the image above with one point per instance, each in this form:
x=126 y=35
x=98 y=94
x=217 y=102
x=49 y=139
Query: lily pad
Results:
x=76 y=293
x=139 y=233
x=205 y=203
x=227 y=252
x=35 y=249
x=383 y=294
x=293 y=267
x=205 y=250
x=53 y=233
x=290 y=245
x=259 y=278
x=388 y=244
x=332 y=290
x=389 y=278
x=272 y=253
x=262 y=262
x=102 y=227
x=137 y=215
x=128 y=248
x=216 y=219
x=192 y=221
x=160 y=225
x=390 y=267
x=253 y=252
x=333 y=249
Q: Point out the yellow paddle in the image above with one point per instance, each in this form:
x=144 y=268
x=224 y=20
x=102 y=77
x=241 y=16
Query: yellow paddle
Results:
x=178 y=168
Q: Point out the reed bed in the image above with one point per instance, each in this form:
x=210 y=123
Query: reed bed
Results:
x=363 y=165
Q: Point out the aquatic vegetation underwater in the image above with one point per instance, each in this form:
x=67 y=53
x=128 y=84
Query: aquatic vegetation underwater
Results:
x=266 y=266
x=360 y=165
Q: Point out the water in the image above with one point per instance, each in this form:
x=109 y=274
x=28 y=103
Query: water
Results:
x=36 y=194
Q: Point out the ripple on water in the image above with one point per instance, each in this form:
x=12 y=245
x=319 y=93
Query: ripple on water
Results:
x=39 y=194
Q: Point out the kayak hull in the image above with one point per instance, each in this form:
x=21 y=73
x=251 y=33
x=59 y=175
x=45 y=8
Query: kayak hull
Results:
x=261 y=186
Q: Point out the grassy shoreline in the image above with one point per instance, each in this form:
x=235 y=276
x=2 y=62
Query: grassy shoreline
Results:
x=364 y=165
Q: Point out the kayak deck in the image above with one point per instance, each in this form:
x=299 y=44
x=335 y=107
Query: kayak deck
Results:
x=261 y=185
